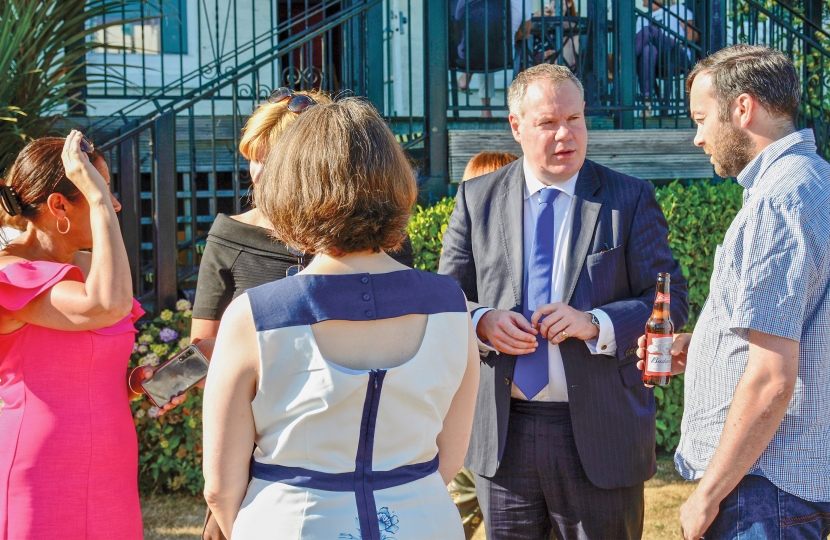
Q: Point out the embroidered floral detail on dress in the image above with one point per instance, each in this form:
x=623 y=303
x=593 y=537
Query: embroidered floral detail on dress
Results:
x=387 y=523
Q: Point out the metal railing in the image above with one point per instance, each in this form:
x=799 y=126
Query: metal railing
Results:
x=798 y=33
x=630 y=59
x=166 y=48
x=173 y=147
x=177 y=165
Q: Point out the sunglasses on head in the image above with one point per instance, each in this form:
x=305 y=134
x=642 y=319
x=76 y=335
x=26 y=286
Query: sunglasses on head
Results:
x=297 y=103
x=86 y=145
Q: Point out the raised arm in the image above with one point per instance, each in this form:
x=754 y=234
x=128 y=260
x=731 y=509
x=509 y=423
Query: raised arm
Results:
x=107 y=295
x=228 y=421
x=458 y=424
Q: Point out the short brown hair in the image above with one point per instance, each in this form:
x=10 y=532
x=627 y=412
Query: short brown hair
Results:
x=340 y=182
x=36 y=173
x=486 y=162
x=763 y=73
x=267 y=122
x=553 y=73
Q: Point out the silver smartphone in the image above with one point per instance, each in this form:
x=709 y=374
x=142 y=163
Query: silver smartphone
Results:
x=175 y=376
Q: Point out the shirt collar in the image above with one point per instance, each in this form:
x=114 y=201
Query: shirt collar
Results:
x=800 y=142
x=533 y=185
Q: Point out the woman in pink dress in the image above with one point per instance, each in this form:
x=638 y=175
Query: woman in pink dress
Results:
x=68 y=450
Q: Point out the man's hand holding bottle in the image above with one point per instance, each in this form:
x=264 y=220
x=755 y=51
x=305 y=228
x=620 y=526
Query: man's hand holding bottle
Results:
x=679 y=349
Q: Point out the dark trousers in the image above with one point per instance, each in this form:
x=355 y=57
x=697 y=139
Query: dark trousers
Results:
x=658 y=53
x=756 y=510
x=541 y=488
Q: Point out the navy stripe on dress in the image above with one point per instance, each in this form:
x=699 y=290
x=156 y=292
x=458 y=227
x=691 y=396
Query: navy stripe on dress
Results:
x=311 y=298
x=363 y=481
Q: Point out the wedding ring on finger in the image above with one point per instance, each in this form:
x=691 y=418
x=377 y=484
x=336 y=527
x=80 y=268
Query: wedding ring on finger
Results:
x=565 y=336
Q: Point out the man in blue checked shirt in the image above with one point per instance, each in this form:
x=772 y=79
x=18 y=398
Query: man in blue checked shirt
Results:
x=756 y=425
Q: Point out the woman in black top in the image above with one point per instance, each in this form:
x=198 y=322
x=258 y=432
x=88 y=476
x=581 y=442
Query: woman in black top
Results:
x=238 y=256
x=240 y=252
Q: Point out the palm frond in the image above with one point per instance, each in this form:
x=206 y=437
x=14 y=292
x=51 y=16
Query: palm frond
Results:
x=43 y=47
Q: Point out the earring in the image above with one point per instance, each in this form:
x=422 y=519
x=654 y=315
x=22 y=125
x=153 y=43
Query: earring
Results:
x=58 y=225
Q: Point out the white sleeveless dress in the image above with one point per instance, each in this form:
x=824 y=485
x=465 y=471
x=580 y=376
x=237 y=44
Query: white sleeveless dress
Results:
x=343 y=454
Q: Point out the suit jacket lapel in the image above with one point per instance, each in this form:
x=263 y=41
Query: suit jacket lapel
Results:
x=586 y=208
x=511 y=210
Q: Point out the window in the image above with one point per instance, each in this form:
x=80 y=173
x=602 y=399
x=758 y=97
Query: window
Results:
x=155 y=26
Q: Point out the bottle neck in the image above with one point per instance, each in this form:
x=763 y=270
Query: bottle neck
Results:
x=662 y=300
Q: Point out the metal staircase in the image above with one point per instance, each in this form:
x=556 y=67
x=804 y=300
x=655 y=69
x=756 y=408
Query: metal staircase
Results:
x=172 y=138
x=173 y=148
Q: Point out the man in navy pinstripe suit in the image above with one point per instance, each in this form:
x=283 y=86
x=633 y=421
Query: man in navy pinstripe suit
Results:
x=558 y=257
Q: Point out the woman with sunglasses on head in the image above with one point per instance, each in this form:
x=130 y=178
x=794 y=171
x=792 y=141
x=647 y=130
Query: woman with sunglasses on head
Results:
x=240 y=252
x=356 y=378
x=69 y=463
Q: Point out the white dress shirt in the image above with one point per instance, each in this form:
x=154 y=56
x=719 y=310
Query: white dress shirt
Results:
x=605 y=343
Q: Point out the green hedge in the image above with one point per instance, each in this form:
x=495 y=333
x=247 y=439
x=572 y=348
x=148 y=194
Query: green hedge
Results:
x=698 y=214
x=426 y=230
x=170 y=447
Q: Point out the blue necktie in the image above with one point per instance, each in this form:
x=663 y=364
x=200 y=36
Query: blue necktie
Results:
x=531 y=373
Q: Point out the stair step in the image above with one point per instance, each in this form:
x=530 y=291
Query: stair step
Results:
x=650 y=154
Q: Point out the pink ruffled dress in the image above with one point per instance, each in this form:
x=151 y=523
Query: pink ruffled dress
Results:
x=68 y=449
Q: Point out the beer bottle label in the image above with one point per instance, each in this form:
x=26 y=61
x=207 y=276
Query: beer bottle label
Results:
x=658 y=354
x=662 y=298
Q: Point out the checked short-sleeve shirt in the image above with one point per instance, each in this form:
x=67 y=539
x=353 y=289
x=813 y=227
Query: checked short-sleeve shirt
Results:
x=772 y=275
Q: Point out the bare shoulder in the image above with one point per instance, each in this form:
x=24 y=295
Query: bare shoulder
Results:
x=7 y=258
x=236 y=349
x=237 y=329
x=239 y=313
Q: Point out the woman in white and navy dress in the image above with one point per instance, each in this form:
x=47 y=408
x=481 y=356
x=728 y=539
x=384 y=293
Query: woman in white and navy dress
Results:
x=355 y=379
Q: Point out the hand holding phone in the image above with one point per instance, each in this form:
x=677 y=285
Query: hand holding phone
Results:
x=175 y=376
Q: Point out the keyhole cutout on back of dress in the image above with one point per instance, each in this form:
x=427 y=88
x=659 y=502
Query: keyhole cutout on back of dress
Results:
x=364 y=345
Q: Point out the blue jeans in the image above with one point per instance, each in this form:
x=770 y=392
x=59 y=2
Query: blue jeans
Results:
x=757 y=510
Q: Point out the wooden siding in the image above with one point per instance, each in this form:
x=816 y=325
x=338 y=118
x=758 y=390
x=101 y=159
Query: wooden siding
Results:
x=651 y=154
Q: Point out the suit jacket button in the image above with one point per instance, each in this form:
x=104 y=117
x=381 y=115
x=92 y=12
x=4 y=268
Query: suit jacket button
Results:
x=507 y=381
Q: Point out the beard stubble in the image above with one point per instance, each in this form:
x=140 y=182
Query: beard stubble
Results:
x=731 y=151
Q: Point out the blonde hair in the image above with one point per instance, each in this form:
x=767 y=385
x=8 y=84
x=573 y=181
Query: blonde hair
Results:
x=486 y=162
x=267 y=122
x=340 y=182
x=553 y=73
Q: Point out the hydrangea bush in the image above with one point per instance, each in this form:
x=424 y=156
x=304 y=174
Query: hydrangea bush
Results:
x=170 y=446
